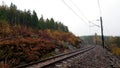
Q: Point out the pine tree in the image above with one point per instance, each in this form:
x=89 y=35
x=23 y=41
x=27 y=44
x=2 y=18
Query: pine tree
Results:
x=34 y=20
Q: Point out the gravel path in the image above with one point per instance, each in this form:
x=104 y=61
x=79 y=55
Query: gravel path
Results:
x=95 y=58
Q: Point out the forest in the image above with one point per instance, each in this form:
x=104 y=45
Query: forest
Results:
x=25 y=38
x=28 y=19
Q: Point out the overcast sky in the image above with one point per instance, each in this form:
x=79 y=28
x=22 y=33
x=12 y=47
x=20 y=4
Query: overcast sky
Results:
x=73 y=12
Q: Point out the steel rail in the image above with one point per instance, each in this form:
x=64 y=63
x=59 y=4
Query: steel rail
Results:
x=55 y=59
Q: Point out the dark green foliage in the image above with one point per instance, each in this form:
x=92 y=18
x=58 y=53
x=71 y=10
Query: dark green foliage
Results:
x=41 y=23
x=28 y=19
x=3 y=13
x=34 y=20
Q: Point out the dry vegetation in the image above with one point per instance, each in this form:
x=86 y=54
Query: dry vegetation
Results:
x=21 y=44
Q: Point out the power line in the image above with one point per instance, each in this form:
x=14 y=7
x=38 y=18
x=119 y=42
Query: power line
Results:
x=79 y=10
x=94 y=24
x=99 y=8
x=77 y=14
x=83 y=14
x=74 y=12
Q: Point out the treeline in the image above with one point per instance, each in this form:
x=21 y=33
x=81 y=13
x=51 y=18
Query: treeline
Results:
x=115 y=40
x=111 y=43
x=114 y=45
x=88 y=39
x=94 y=39
x=28 y=19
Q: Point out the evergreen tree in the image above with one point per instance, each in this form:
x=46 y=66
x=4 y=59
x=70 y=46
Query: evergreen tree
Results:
x=34 y=20
x=52 y=24
x=12 y=14
x=28 y=19
x=41 y=24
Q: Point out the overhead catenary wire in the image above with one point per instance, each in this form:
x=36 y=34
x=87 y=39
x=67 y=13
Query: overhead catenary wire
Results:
x=74 y=12
x=79 y=10
x=82 y=14
x=94 y=24
x=99 y=8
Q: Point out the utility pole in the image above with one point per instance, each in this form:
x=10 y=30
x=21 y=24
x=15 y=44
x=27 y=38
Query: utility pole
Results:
x=101 y=21
x=102 y=35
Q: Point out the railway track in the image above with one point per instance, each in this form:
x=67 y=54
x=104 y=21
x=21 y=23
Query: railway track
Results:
x=55 y=59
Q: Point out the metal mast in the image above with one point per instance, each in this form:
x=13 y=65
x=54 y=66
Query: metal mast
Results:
x=101 y=21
